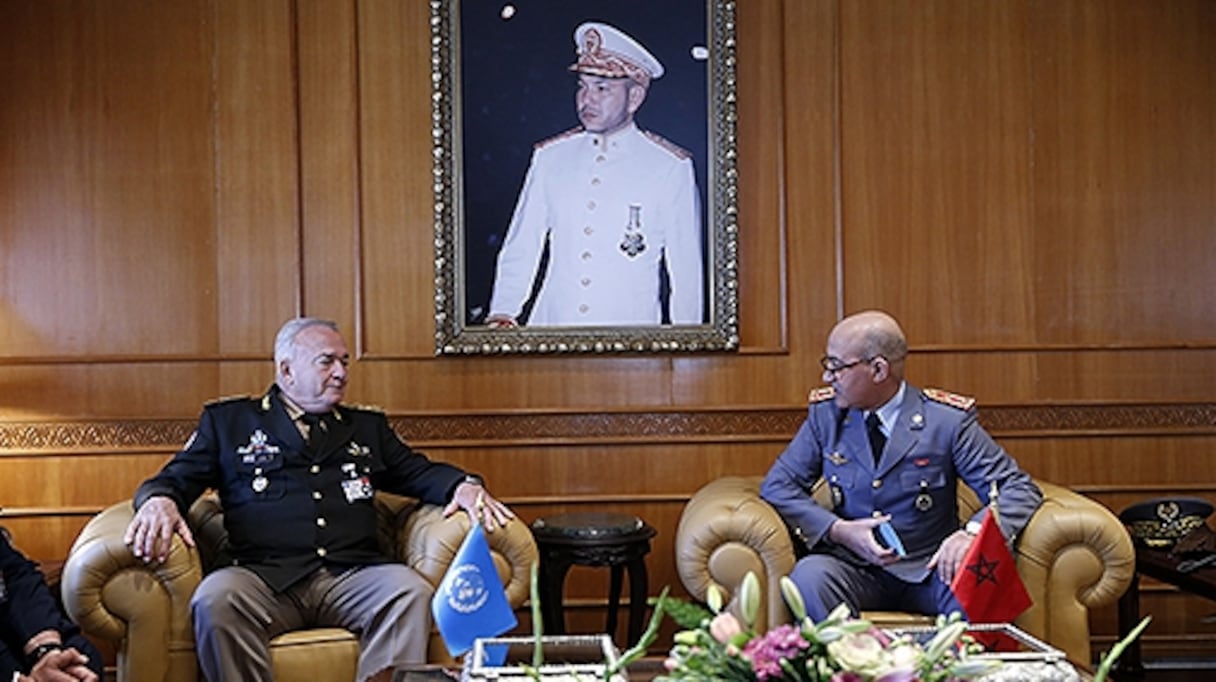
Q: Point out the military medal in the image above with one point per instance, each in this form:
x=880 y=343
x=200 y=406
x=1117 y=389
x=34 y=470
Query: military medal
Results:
x=837 y=493
x=634 y=242
x=924 y=502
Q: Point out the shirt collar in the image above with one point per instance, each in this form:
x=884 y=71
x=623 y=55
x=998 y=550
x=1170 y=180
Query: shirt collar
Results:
x=888 y=412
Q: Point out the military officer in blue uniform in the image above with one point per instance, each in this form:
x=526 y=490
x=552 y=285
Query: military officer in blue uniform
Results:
x=296 y=472
x=613 y=203
x=927 y=441
x=37 y=641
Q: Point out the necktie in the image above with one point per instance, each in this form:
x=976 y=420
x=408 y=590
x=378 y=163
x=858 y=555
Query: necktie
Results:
x=316 y=430
x=877 y=440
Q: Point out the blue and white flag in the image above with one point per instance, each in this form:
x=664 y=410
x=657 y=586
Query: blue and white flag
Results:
x=470 y=601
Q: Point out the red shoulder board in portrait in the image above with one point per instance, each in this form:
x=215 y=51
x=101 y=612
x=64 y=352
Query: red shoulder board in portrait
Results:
x=962 y=402
x=557 y=138
x=675 y=149
x=821 y=394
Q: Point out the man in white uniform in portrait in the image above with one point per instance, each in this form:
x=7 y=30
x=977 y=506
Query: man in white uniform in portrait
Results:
x=615 y=205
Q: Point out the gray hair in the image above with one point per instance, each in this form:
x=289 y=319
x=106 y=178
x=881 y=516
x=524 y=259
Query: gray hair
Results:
x=285 y=340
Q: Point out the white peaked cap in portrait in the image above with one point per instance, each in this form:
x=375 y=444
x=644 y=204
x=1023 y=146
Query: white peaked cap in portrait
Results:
x=607 y=51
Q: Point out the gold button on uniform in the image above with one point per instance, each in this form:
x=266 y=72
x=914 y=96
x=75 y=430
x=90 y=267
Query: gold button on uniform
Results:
x=321 y=523
x=584 y=308
x=877 y=483
x=316 y=494
x=321 y=552
x=314 y=469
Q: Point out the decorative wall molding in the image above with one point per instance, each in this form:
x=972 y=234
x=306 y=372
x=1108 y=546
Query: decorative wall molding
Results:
x=525 y=429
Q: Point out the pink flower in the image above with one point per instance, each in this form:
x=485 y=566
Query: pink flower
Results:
x=766 y=653
x=723 y=627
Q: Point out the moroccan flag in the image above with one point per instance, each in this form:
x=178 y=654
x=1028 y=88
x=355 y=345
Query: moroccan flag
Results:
x=470 y=601
x=987 y=584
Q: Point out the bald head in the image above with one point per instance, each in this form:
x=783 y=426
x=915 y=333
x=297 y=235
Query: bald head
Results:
x=870 y=347
x=873 y=333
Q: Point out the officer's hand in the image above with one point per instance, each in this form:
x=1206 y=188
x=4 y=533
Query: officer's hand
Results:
x=65 y=665
x=500 y=321
x=858 y=536
x=947 y=559
x=482 y=508
x=150 y=533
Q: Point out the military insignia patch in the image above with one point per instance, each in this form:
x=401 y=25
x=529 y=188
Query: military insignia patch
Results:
x=821 y=394
x=937 y=395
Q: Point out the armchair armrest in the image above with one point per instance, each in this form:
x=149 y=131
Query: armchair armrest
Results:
x=1073 y=556
x=726 y=531
x=111 y=594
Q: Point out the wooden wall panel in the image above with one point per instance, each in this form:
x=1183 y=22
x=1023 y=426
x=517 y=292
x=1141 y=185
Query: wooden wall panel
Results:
x=935 y=170
x=1028 y=185
x=1125 y=130
x=106 y=170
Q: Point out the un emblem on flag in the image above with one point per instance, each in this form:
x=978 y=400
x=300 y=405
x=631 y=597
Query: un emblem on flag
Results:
x=467 y=591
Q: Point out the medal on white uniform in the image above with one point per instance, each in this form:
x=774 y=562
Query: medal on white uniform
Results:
x=634 y=242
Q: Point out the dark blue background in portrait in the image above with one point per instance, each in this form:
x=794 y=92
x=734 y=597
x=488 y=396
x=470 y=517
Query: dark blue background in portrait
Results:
x=517 y=90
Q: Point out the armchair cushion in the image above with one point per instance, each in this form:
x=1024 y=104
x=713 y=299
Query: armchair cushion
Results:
x=1073 y=555
x=145 y=610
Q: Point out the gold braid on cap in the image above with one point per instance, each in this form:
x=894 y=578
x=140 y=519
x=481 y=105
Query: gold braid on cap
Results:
x=597 y=61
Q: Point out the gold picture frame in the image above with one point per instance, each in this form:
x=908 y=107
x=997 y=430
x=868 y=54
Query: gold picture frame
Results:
x=503 y=82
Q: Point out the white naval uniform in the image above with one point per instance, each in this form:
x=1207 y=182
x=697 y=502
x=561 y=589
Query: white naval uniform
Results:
x=578 y=193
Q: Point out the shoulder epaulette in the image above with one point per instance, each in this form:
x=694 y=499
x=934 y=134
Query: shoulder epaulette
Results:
x=675 y=149
x=228 y=399
x=557 y=138
x=818 y=395
x=356 y=407
x=937 y=395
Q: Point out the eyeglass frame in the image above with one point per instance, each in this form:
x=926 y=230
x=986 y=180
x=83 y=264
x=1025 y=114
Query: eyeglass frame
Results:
x=834 y=371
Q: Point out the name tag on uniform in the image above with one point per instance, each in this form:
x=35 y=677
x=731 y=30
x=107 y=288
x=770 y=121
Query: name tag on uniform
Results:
x=357 y=489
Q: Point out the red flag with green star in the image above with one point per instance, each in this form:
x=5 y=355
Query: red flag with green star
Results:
x=987 y=584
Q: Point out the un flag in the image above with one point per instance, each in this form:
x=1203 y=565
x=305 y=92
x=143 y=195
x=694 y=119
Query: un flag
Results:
x=470 y=601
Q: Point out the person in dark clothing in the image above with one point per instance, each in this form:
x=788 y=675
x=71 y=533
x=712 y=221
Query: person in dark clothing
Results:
x=37 y=641
x=296 y=472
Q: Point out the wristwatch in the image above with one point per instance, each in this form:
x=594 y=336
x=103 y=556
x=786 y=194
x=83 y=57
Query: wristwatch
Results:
x=32 y=658
x=474 y=479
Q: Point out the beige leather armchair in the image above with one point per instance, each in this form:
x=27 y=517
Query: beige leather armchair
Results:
x=1073 y=555
x=146 y=610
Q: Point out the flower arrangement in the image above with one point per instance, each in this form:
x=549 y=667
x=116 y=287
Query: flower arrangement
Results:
x=717 y=646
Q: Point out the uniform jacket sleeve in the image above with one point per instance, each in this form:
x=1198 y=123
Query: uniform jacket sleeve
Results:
x=787 y=486
x=519 y=256
x=191 y=471
x=28 y=607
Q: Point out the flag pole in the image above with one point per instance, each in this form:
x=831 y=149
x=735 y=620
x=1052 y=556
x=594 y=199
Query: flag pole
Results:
x=992 y=504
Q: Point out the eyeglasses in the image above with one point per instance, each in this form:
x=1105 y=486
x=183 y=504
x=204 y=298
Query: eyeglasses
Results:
x=834 y=366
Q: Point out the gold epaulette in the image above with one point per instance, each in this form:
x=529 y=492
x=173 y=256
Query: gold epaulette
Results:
x=228 y=399
x=363 y=408
x=818 y=395
x=557 y=138
x=937 y=395
x=675 y=149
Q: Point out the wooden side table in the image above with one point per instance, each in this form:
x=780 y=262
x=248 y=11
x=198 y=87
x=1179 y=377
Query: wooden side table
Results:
x=1162 y=565
x=618 y=541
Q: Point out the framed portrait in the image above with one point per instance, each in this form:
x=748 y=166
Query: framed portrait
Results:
x=584 y=176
